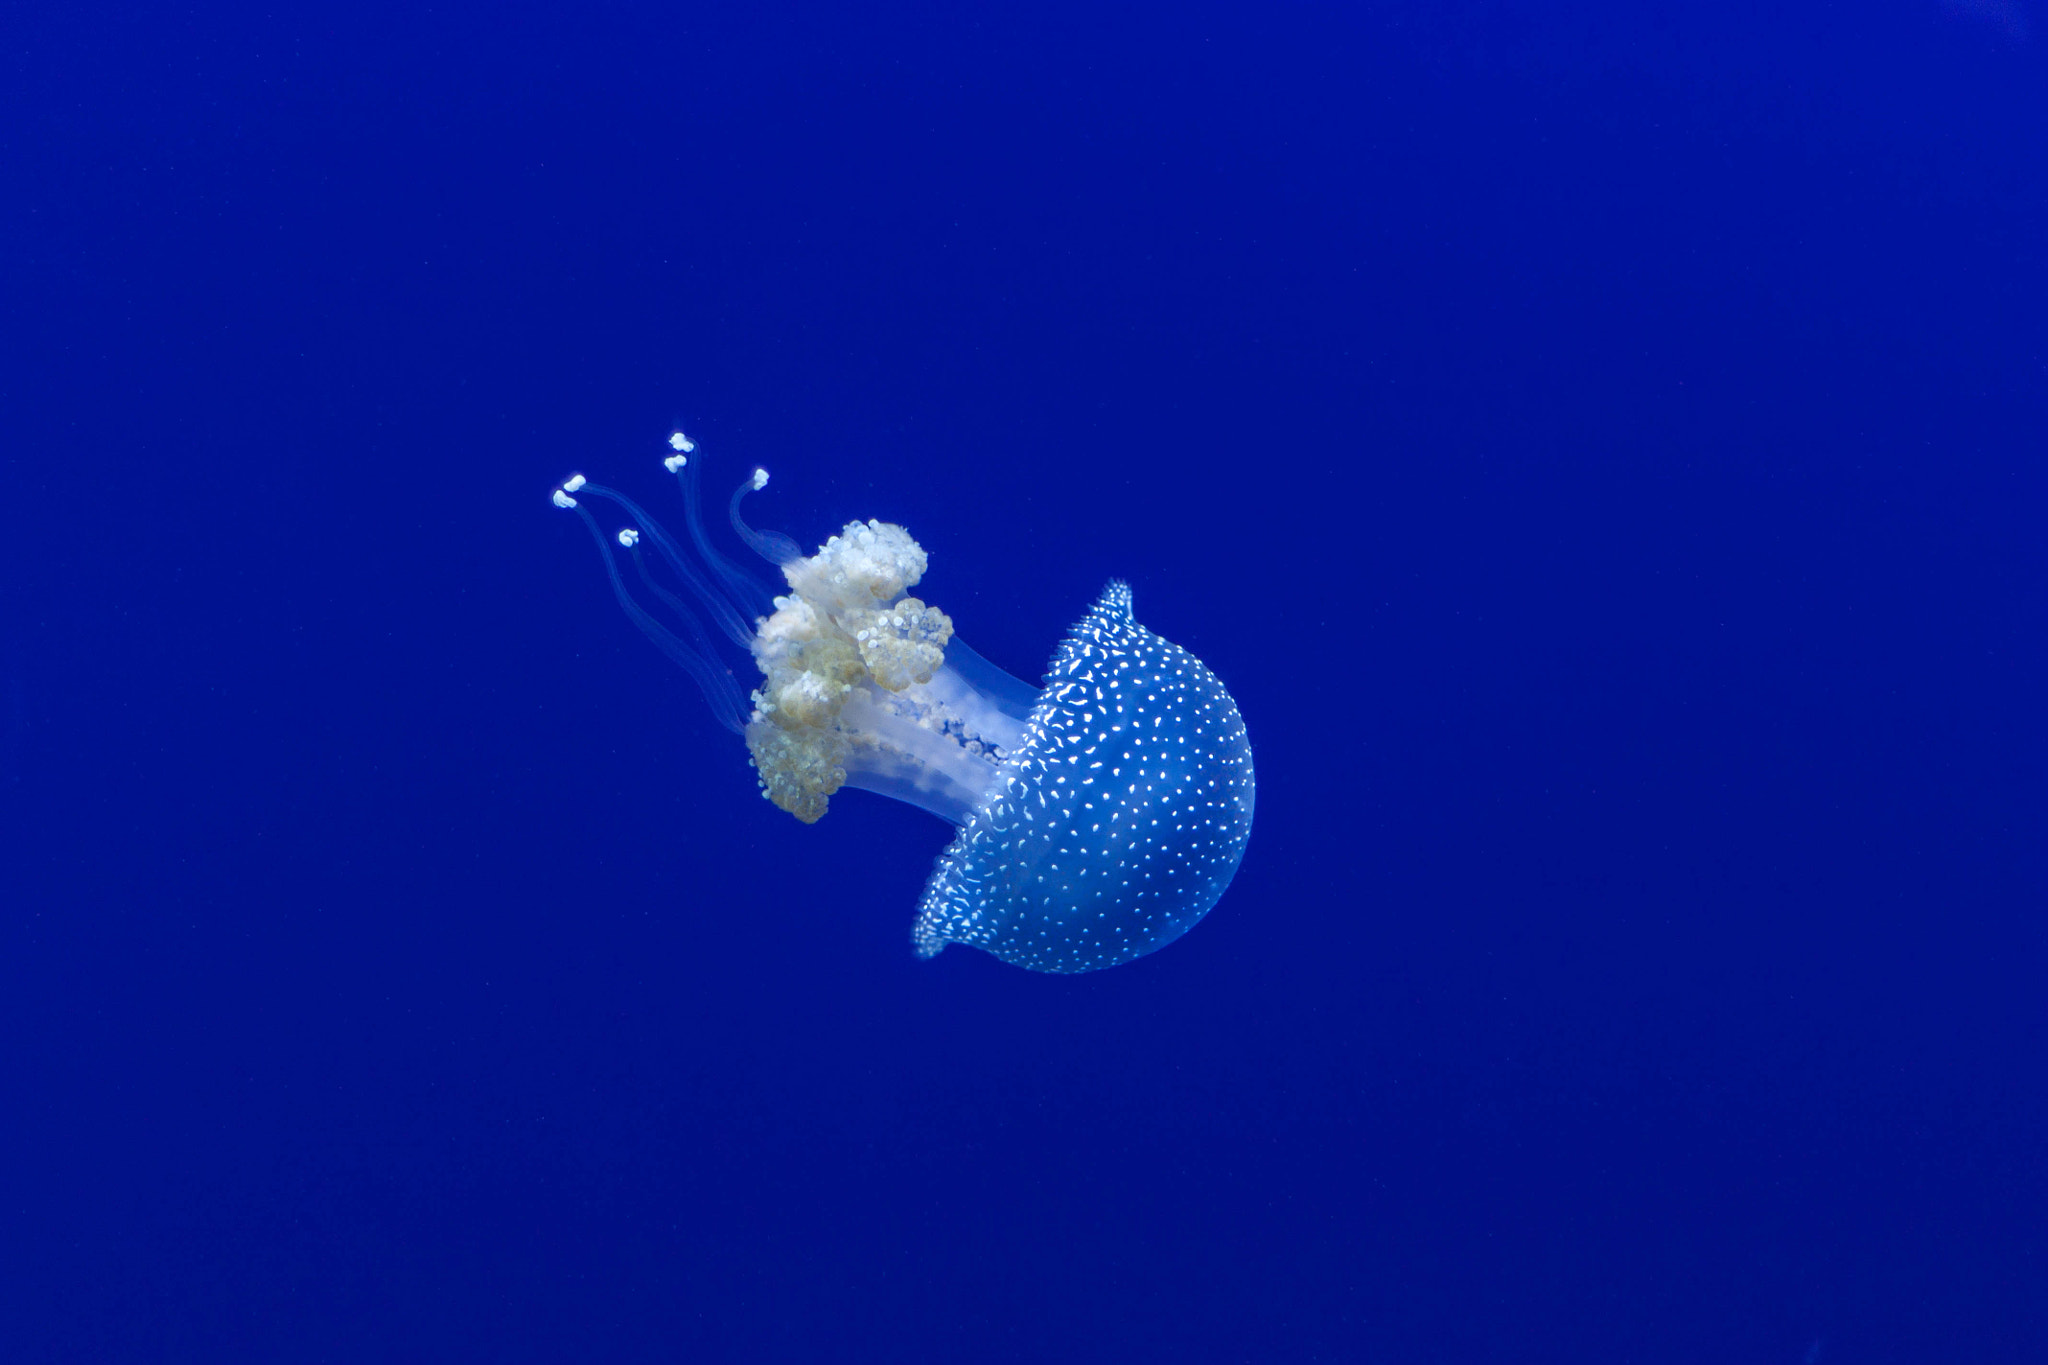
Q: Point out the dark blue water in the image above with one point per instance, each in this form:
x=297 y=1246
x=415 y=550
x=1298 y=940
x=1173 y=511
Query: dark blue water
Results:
x=1601 y=448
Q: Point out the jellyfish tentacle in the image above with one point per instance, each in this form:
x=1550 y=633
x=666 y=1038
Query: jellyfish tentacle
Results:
x=714 y=681
x=721 y=610
x=743 y=589
x=773 y=546
x=699 y=637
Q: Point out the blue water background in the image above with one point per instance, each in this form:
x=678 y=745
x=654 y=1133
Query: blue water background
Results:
x=1601 y=447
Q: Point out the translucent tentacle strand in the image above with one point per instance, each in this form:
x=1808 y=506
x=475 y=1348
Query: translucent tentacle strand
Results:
x=717 y=684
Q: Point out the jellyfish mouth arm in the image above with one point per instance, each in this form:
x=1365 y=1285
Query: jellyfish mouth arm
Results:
x=895 y=756
x=996 y=690
x=977 y=712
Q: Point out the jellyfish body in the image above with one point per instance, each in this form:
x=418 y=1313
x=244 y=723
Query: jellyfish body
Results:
x=1116 y=824
x=1099 y=817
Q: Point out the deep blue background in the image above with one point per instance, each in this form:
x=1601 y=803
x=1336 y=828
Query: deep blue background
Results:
x=1601 y=446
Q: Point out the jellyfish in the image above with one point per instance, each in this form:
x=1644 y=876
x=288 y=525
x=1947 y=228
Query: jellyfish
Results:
x=1097 y=817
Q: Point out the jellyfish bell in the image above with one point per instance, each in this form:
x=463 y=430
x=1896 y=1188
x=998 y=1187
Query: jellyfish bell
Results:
x=1098 y=817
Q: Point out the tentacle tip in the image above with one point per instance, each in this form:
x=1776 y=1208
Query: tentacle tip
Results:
x=629 y=537
x=760 y=479
x=562 y=499
x=674 y=463
x=679 y=442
